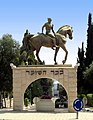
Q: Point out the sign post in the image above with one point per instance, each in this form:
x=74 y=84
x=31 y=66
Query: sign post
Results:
x=78 y=105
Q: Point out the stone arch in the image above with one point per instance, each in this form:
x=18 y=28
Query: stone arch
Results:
x=64 y=88
x=24 y=76
x=25 y=87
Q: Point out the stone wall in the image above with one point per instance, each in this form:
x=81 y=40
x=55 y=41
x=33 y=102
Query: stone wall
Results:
x=23 y=76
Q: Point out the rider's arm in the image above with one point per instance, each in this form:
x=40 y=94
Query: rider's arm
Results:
x=53 y=30
x=43 y=28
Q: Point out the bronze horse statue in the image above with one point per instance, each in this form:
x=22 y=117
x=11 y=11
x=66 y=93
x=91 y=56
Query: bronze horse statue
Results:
x=34 y=43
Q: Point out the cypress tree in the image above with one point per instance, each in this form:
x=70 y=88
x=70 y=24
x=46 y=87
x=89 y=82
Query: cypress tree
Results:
x=89 y=19
x=89 y=49
x=85 y=61
x=80 y=69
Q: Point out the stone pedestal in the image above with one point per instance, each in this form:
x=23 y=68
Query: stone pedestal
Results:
x=23 y=76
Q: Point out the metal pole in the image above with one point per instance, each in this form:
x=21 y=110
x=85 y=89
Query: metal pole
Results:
x=77 y=115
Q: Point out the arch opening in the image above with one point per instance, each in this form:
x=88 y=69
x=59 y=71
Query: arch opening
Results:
x=45 y=88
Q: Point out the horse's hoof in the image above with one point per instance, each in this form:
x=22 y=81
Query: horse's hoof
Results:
x=41 y=63
x=56 y=63
x=63 y=62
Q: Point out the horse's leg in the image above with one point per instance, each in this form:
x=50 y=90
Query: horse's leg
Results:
x=37 y=55
x=56 y=51
x=64 y=48
x=29 y=52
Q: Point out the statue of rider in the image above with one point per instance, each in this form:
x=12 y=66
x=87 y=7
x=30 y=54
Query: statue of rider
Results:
x=26 y=33
x=49 y=27
x=27 y=37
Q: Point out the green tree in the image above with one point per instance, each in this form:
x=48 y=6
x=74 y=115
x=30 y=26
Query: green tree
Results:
x=88 y=76
x=89 y=57
x=9 y=53
x=85 y=60
x=46 y=86
x=80 y=70
x=38 y=88
x=27 y=59
x=34 y=90
x=89 y=49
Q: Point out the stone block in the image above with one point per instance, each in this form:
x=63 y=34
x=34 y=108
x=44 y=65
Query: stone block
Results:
x=45 y=105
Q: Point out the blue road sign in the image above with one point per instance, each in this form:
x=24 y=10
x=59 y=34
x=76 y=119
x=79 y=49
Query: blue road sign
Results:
x=78 y=104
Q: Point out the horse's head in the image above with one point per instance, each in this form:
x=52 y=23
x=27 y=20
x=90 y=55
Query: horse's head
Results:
x=66 y=30
x=69 y=32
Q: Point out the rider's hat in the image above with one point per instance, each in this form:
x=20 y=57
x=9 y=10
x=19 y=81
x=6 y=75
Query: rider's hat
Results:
x=49 y=19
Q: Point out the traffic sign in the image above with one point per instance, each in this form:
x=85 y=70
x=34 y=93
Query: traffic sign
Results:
x=78 y=104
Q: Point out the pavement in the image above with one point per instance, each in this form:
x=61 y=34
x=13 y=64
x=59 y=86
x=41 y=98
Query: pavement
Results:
x=9 y=114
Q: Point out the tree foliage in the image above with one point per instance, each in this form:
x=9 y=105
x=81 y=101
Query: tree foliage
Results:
x=89 y=49
x=46 y=85
x=38 y=88
x=80 y=70
x=88 y=76
x=9 y=53
x=85 y=75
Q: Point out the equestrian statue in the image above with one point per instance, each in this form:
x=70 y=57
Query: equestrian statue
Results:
x=33 y=43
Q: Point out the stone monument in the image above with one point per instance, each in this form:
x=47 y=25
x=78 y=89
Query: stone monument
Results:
x=23 y=76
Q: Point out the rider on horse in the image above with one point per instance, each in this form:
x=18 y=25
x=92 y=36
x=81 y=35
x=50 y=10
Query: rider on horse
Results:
x=48 y=27
x=27 y=37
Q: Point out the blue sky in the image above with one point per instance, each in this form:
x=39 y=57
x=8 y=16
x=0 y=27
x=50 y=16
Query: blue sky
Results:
x=18 y=15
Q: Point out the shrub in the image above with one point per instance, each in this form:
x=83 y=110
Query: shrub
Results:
x=26 y=102
x=81 y=96
x=90 y=100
